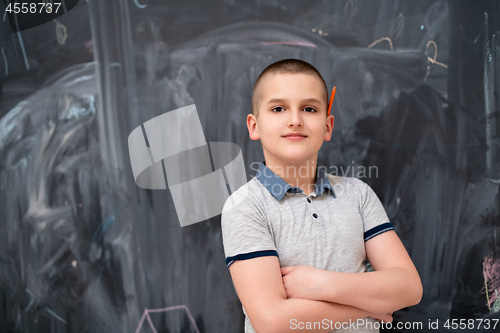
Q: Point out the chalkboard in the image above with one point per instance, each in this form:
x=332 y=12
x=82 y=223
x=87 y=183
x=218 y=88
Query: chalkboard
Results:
x=83 y=248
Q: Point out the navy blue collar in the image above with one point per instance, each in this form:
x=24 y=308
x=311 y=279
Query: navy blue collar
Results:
x=278 y=187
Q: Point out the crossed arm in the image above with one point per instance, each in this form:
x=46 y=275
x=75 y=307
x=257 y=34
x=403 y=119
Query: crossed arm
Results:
x=308 y=294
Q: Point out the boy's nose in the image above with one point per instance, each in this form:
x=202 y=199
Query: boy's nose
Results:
x=295 y=118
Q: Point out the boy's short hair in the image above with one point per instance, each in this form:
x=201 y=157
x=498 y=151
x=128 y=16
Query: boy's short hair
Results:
x=292 y=66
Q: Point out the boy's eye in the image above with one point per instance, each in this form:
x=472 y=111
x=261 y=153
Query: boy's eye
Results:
x=309 y=109
x=278 y=107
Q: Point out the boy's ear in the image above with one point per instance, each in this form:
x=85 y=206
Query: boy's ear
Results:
x=328 y=134
x=252 y=127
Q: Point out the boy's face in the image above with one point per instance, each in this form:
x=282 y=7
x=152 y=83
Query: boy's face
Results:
x=291 y=103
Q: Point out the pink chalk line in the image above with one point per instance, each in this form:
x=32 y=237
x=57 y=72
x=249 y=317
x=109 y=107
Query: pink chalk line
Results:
x=491 y=274
x=146 y=313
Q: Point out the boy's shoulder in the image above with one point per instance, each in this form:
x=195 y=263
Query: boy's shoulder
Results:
x=246 y=195
x=343 y=180
x=350 y=188
x=250 y=187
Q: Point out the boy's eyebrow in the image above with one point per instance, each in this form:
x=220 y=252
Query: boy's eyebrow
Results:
x=281 y=100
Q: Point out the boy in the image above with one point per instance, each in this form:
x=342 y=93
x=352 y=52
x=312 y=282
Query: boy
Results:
x=297 y=238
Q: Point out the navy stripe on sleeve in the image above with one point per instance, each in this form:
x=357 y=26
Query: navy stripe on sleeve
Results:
x=378 y=230
x=230 y=260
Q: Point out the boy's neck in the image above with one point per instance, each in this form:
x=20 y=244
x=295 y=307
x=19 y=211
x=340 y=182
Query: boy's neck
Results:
x=301 y=175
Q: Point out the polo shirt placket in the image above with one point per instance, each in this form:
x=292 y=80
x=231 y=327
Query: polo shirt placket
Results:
x=278 y=187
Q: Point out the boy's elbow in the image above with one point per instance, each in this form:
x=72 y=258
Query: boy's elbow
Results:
x=414 y=296
x=264 y=324
x=411 y=294
x=269 y=320
x=418 y=292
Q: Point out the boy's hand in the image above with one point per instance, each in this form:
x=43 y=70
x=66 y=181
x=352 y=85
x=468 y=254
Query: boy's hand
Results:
x=303 y=282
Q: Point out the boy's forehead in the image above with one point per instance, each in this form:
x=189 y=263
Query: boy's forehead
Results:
x=272 y=90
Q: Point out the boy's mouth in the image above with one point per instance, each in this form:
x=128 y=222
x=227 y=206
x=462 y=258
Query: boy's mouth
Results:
x=295 y=135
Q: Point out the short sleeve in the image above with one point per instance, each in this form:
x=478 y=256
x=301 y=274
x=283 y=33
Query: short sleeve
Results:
x=373 y=214
x=245 y=230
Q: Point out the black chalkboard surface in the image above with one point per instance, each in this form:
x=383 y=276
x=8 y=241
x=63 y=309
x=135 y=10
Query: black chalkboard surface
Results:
x=84 y=249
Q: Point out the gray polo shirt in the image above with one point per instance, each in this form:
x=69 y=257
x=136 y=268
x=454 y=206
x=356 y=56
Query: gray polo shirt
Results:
x=326 y=229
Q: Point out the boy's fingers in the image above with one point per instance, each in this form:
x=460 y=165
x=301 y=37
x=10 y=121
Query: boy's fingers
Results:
x=286 y=270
